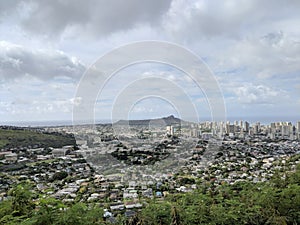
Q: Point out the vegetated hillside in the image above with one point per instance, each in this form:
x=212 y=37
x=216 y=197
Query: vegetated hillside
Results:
x=15 y=137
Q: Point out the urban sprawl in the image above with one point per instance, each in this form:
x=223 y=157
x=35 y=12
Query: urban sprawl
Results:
x=121 y=170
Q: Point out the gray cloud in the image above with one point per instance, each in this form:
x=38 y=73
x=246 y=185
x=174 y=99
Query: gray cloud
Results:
x=194 y=20
x=177 y=19
x=180 y=20
x=94 y=17
x=7 y=6
x=16 y=61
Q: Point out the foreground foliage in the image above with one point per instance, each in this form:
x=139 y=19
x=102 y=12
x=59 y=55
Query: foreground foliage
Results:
x=273 y=202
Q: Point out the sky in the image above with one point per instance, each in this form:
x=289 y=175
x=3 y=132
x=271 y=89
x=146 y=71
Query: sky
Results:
x=251 y=47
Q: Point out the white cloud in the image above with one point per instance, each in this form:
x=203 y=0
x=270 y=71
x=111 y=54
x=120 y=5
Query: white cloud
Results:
x=17 y=61
x=258 y=94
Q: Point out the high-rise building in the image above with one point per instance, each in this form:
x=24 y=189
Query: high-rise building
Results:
x=273 y=128
x=236 y=123
x=230 y=128
x=285 y=130
x=298 y=129
x=256 y=129
x=246 y=128
x=259 y=126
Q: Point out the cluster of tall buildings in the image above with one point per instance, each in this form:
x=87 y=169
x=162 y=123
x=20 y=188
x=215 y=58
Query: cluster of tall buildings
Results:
x=281 y=130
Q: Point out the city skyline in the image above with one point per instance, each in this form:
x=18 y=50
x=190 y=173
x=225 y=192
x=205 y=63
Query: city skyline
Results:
x=252 y=48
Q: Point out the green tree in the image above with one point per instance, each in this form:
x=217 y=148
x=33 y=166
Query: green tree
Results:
x=79 y=213
x=48 y=211
x=21 y=199
x=175 y=216
x=156 y=213
x=59 y=175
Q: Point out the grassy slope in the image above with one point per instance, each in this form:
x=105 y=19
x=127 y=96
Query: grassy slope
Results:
x=24 y=138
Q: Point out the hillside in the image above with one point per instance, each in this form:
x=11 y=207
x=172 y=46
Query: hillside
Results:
x=15 y=137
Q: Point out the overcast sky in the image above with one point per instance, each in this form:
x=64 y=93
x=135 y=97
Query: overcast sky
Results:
x=252 y=47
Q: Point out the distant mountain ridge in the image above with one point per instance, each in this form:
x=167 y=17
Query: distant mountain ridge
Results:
x=165 y=121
